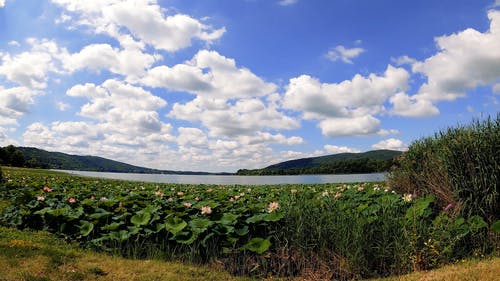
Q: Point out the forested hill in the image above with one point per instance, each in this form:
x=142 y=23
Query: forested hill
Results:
x=37 y=158
x=342 y=163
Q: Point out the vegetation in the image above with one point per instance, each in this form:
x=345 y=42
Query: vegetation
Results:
x=31 y=157
x=460 y=166
x=342 y=163
x=318 y=232
x=37 y=255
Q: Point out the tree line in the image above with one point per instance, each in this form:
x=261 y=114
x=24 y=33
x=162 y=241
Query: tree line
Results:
x=11 y=156
x=352 y=166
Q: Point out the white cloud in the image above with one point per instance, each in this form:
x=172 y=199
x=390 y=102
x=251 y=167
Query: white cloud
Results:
x=287 y=2
x=343 y=54
x=31 y=68
x=2 y=3
x=245 y=117
x=412 y=106
x=14 y=43
x=345 y=108
x=121 y=106
x=317 y=99
x=15 y=102
x=62 y=106
x=209 y=74
x=130 y=62
x=333 y=149
x=350 y=126
x=392 y=144
x=144 y=19
x=403 y=60
x=465 y=60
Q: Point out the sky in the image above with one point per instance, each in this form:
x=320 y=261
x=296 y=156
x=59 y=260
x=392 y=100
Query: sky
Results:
x=222 y=85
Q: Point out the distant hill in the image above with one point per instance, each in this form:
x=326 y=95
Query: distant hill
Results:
x=342 y=163
x=34 y=157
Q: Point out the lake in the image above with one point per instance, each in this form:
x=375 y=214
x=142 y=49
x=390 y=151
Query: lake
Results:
x=231 y=180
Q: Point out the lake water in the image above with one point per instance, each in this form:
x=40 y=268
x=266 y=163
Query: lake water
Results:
x=231 y=180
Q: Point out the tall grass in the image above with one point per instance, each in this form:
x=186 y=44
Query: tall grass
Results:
x=460 y=166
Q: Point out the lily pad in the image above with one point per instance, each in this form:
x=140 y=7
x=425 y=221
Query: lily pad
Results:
x=174 y=224
x=86 y=228
x=257 y=245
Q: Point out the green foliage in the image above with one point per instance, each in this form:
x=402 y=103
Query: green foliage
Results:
x=342 y=163
x=460 y=166
x=337 y=231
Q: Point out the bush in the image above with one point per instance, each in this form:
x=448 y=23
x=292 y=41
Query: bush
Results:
x=1 y=175
x=460 y=166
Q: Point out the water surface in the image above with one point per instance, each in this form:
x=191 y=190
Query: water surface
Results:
x=231 y=180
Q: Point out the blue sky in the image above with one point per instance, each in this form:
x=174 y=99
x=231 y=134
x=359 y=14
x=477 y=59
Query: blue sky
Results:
x=229 y=84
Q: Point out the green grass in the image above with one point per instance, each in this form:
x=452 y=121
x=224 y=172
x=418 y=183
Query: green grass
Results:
x=38 y=255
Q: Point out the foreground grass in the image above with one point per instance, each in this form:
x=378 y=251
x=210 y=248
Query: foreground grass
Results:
x=39 y=256
x=467 y=270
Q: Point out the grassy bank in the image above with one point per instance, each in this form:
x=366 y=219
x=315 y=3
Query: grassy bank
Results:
x=40 y=256
x=37 y=256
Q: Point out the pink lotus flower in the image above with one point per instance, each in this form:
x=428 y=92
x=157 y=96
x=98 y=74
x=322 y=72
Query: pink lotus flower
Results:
x=187 y=205
x=206 y=210
x=273 y=206
x=40 y=198
x=47 y=189
x=180 y=193
x=72 y=200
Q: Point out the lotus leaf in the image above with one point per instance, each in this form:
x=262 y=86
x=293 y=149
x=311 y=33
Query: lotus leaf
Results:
x=86 y=228
x=496 y=226
x=200 y=225
x=174 y=224
x=228 y=219
x=141 y=218
x=257 y=245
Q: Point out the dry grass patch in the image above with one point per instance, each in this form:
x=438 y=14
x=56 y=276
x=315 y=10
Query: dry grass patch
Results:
x=470 y=270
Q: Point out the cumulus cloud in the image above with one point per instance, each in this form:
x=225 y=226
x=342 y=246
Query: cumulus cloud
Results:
x=15 y=102
x=2 y=3
x=333 y=149
x=412 y=106
x=145 y=20
x=129 y=62
x=353 y=126
x=392 y=144
x=117 y=102
x=464 y=60
x=345 y=108
x=30 y=69
x=342 y=53
x=209 y=74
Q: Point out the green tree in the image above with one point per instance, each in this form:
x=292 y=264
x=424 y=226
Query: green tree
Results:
x=17 y=159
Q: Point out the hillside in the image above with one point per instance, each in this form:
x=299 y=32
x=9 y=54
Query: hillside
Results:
x=34 y=157
x=342 y=163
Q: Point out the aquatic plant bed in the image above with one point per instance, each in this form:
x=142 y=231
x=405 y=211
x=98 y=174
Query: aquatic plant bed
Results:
x=330 y=230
